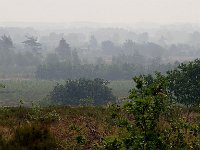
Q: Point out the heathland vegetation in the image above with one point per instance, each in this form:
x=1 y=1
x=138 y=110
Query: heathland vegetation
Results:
x=160 y=112
x=74 y=91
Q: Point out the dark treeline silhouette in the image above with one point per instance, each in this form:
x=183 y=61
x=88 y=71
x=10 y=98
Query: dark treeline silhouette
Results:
x=63 y=70
x=120 y=55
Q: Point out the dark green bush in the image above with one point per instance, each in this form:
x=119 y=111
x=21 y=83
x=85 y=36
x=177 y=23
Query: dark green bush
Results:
x=152 y=120
x=75 y=90
x=32 y=137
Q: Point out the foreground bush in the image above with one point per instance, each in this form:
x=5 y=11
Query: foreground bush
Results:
x=184 y=85
x=152 y=121
x=30 y=137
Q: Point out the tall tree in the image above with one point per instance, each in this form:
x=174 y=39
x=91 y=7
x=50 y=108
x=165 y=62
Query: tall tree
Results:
x=128 y=46
x=6 y=50
x=32 y=43
x=108 y=47
x=6 y=42
x=93 y=42
x=75 y=58
x=63 y=50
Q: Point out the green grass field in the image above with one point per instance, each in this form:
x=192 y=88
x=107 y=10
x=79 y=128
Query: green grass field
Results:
x=36 y=90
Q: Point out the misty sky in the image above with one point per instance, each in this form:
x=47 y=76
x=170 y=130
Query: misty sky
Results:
x=105 y=11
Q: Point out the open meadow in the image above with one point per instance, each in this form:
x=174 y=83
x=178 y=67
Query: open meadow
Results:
x=36 y=90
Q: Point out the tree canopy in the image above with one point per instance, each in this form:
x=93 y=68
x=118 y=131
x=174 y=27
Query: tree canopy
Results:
x=184 y=83
x=63 y=50
x=75 y=90
x=32 y=43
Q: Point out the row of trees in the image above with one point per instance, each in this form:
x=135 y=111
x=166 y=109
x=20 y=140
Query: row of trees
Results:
x=8 y=55
x=33 y=52
x=65 y=62
x=28 y=58
x=63 y=70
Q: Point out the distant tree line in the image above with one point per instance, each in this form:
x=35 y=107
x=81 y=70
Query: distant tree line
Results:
x=63 y=70
x=64 y=62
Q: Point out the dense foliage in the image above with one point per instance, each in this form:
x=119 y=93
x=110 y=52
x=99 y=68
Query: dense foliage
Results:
x=147 y=103
x=75 y=90
x=184 y=83
x=151 y=120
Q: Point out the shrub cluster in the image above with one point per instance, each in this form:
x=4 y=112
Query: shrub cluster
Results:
x=152 y=120
x=75 y=90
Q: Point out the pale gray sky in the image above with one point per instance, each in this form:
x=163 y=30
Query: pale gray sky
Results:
x=108 y=11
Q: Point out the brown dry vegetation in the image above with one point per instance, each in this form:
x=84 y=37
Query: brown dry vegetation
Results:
x=91 y=124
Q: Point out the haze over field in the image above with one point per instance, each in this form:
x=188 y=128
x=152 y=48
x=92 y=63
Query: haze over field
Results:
x=109 y=39
x=99 y=74
x=102 y=11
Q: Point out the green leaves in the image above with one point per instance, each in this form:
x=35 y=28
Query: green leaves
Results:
x=151 y=105
x=87 y=91
x=147 y=102
x=2 y=85
x=184 y=85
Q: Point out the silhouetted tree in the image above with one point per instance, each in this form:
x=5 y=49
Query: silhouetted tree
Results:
x=6 y=42
x=6 y=50
x=75 y=58
x=31 y=43
x=63 y=50
x=128 y=46
x=93 y=42
x=108 y=47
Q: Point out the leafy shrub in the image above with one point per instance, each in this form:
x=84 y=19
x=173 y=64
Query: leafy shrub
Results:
x=75 y=90
x=86 y=102
x=80 y=139
x=74 y=127
x=112 y=143
x=152 y=120
x=38 y=115
x=147 y=103
x=184 y=83
x=52 y=116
